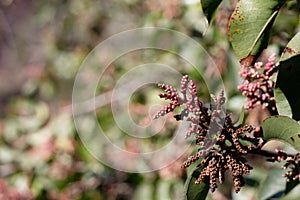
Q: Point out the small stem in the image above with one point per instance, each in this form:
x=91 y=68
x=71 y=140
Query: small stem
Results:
x=272 y=107
x=273 y=112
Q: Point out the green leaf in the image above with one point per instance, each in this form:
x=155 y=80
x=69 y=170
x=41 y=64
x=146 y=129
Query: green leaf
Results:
x=282 y=103
x=272 y=185
x=289 y=84
x=209 y=7
x=282 y=128
x=293 y=194
x=250 y=24
x=195 y=191
x=163 y=189
x=242 y=118
x=292 y=48
x=290 y=185
x=144 y=191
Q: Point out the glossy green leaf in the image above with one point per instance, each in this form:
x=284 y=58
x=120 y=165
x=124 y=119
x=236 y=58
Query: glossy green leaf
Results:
x=273 y=185
x=282 y=128
x=250 y=25
x=289 y=84
x=282 y=103
x=195 y=191
x=209 y=7
x=287 y=81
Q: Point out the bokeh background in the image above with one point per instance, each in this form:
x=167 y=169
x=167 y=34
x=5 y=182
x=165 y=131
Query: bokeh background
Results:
x=42 y=46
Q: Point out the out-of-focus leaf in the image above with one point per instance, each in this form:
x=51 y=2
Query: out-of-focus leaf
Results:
x=289 y=84
x=163 y=189
x=7 y=155
x=273 y=185
x=41 y=183
x=241 y=119
x=246 y=193
x=282 y=128
x=209 y=7
x=282 y=103
x=64 y=129
x=250 y=24
x=169 y=189
x=37 y=114
x=195 y=191
x=145 y=191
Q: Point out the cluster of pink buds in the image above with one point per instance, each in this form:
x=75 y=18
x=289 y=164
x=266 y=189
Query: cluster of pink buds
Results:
x=193 y=109
x=171 y=94
x=188 y=96
x=257 y=85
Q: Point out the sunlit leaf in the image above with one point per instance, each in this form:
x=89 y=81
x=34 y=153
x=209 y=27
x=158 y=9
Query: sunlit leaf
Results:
x=209 y=7
x=282 y=128
x=282 y=103
x=250 y=25
x=272 y=186
x=195 y=191
x=292 y=48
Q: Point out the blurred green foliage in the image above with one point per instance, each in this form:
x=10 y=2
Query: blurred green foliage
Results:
x=42 y=46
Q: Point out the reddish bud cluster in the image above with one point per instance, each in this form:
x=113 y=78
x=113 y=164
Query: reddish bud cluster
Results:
x=257 y=85
x=171 y=94
x=219 y=140
x=292 y=163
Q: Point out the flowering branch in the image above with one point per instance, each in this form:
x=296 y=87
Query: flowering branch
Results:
x=220 y=142
x=221 y=145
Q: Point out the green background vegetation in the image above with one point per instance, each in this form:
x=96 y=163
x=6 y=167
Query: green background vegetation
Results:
x=42 y=46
